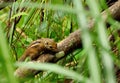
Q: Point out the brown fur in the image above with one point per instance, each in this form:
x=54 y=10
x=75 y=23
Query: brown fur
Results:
x=37 y=47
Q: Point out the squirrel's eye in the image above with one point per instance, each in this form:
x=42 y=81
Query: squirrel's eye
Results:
x=51 y=47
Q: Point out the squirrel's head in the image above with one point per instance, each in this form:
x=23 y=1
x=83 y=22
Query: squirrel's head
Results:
x=50 y=44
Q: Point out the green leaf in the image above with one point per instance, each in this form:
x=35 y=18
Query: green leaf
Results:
x=19 y=14
x=54 y=68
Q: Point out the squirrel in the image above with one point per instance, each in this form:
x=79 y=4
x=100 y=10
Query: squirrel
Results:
x=38 y=47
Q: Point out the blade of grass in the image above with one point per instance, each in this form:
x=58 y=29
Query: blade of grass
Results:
x=5 y=55
x=106 y=57
x=87 y=42
x=53 y=68
x=47 y=6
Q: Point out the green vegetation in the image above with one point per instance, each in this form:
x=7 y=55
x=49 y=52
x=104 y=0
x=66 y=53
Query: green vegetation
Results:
x=29 y=20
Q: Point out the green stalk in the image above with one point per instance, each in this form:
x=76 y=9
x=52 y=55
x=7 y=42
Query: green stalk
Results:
x=87 y=42
x=5 y=56
x=100 y=25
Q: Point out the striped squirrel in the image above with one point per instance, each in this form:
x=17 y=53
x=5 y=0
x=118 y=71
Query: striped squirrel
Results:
x=37 y=47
